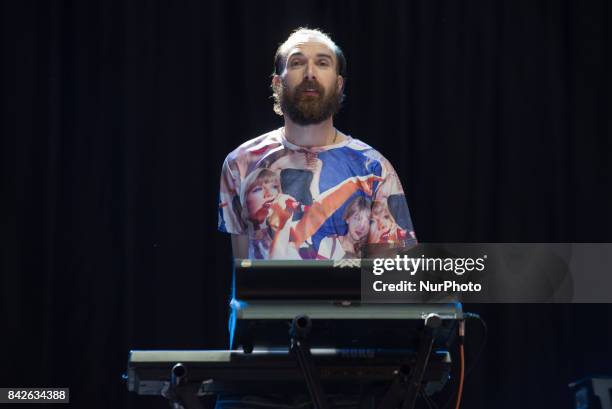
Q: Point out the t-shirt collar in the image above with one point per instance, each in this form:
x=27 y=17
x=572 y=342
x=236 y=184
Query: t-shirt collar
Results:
x=295 y=147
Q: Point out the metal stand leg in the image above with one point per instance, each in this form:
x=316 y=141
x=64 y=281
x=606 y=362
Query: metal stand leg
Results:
x=405 y=389
x=300 y=330
x=180 y=393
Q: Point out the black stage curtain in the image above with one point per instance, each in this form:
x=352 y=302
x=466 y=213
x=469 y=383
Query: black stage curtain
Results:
x=116 y=117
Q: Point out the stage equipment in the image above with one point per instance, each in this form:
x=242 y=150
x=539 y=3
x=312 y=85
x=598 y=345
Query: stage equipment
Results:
x=592 y=393
x=320 y=345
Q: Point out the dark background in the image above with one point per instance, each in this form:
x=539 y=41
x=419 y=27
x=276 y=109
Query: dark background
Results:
x=116 y=117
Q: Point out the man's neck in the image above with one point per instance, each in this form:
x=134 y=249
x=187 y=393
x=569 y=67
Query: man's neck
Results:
x=320 y=134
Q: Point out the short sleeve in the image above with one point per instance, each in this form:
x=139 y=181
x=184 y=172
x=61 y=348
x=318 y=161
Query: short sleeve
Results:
x=230 y=209
x=390 y=221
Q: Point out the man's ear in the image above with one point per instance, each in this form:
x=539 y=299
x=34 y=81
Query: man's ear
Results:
x=340 y=84
x=276 y=82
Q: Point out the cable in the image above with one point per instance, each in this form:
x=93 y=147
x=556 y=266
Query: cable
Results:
x=465 y=373
x=461 y=376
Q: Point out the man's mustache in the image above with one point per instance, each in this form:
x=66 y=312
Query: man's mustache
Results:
x=310 y=85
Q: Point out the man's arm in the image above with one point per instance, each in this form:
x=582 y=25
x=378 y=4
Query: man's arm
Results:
x=240 y=246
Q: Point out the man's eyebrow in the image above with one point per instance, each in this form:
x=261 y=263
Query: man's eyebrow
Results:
x=319 y=55
x=325 y=55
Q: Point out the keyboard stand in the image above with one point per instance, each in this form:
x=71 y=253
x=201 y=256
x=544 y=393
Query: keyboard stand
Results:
x=182 y=394
x=300 y=347
x=404 y=389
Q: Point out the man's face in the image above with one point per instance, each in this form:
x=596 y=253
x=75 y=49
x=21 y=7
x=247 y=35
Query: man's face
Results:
x=358 y=224
x=310 y=88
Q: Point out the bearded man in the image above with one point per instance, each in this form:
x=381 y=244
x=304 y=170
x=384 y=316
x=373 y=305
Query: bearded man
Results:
x=321 y=169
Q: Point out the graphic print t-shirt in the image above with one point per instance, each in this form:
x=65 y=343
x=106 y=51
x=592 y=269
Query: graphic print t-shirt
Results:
x=312 y=203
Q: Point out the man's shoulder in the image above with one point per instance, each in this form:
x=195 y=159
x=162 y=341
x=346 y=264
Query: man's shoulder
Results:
x=366 y=150
x=359 y=145
x=256 y=146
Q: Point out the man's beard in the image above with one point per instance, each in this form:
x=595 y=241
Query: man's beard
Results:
x=309 y=109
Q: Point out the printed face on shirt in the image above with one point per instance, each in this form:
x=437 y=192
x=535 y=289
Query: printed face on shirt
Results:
x=383 y=228
x=358 y=225
x=261 y=195
x=310 y=88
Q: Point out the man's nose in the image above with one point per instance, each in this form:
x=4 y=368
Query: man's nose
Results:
x=310 y=70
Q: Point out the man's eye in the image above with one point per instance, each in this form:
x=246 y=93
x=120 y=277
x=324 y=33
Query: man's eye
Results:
x=324 y=63
x=295 y=63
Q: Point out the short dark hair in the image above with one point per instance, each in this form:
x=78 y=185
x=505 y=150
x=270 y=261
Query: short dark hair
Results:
x=280 y=59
